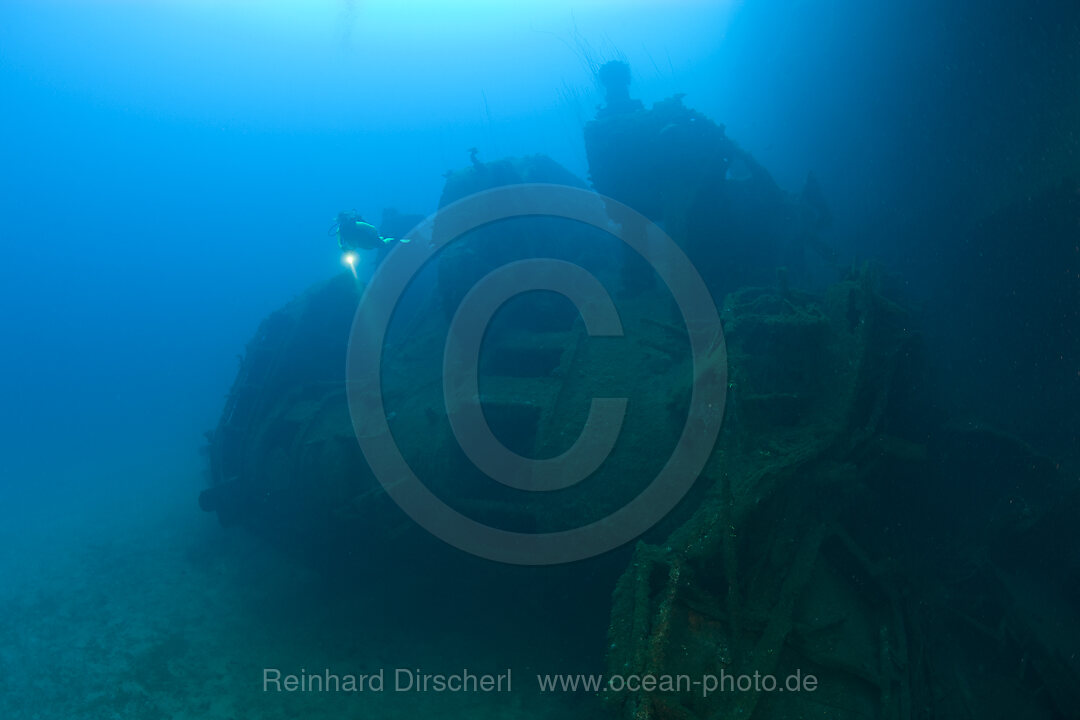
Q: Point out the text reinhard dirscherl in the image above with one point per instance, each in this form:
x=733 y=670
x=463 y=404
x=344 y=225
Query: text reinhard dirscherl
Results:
x=413 y=680
x=381 y=680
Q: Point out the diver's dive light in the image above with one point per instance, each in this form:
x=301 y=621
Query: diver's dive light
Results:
x=350 y=258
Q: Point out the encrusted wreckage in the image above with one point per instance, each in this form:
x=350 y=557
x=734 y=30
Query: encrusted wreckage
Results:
x=851 y=535
x=843 y=528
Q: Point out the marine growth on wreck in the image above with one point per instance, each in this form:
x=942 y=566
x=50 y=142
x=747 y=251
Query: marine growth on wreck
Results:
x=821 y=538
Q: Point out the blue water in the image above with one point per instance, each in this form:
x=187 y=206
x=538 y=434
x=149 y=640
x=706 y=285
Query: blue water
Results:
x=169 y=170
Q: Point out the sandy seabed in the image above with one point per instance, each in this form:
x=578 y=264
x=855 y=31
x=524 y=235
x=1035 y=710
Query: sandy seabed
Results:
x=169 y=616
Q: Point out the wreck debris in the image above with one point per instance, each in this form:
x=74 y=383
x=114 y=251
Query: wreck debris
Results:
x=828 y=545
x=843 y=528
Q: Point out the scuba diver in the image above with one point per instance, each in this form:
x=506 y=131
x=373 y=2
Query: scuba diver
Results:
x=355 y=234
